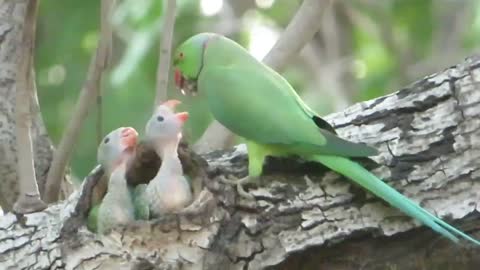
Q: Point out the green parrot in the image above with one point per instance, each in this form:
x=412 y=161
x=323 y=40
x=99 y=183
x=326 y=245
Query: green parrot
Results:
x=258 y=104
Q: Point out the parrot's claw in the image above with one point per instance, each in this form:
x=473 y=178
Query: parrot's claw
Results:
x=239 y=183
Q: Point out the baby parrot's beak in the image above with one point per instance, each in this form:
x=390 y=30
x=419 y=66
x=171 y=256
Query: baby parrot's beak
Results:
x=182 y=116
x=129 y=137
x=171 y=103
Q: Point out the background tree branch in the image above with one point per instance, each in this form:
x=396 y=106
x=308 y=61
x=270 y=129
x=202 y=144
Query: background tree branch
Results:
x=426 y=134
x=85 y=102
x=298 y=33
x=165 y=52
x=11 y=28
x=29 y=199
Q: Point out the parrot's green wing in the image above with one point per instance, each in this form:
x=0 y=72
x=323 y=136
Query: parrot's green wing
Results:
x=272 y=113
x=92 y=218
x=142 y=210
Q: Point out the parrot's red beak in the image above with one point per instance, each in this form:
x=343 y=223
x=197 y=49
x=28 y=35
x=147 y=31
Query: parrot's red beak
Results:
x=186 y=85
x=183 y=116
x=179 y=79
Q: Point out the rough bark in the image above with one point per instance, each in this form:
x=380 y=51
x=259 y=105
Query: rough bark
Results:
x=11 y=27
x=426 y=135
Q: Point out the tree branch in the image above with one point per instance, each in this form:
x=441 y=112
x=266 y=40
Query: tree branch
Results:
x=12 y=26
x=426 y=135
x=299 y=32
x=85 y=102
x=165 y=52
x=29 y=199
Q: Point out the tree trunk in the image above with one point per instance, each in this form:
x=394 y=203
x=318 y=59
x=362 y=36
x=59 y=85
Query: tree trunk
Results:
x=11 y=27
x=427 y=136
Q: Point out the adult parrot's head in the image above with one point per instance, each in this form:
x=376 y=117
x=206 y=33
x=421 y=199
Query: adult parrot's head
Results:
x=188 y=62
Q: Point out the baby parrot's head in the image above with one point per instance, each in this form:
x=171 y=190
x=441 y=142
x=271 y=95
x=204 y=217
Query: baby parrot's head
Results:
x=165 y=124
x=188 y=61
x=117 y=147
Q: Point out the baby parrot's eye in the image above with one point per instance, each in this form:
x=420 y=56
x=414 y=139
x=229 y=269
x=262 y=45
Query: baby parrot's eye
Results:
x=160 y=118
x=106 y=140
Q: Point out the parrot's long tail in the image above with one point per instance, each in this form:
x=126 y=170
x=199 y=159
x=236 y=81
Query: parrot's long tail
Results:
x=369 y=181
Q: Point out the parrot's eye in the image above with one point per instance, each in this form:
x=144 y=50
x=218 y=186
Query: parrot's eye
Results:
x=160 y=118
x=180 y=55
x=106 y=140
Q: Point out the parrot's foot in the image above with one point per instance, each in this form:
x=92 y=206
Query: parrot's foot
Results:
x=28 y=203
x=239 y=183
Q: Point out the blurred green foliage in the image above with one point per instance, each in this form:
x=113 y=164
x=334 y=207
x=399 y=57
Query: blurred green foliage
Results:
x=68 y=33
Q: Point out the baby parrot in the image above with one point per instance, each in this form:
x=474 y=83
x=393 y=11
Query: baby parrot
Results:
x=114 y=153
x=142 y=209
x=169 y=191
x=257 y=103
